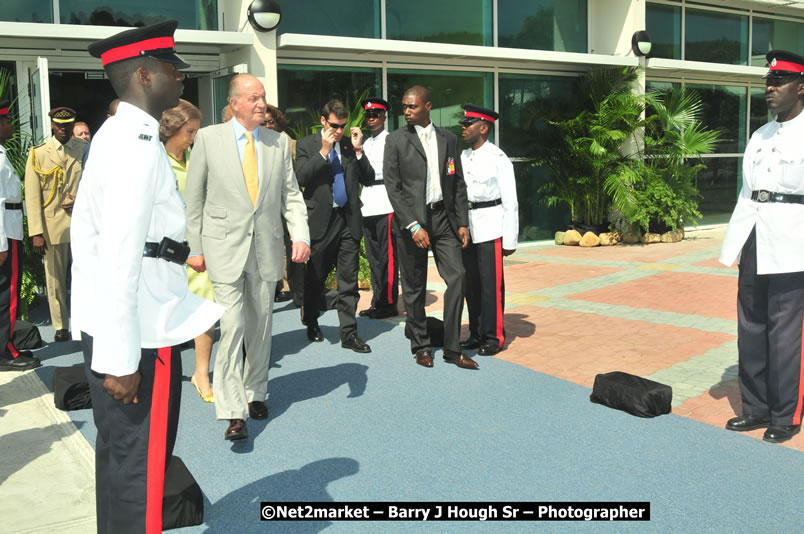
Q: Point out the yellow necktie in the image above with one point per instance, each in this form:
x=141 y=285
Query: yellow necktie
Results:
x=250 y=168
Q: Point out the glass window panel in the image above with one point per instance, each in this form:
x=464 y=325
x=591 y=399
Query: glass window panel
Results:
x=347 y=18
x=522 y=98
x=725 y=108
x=304 y=89
x=769 y=34
x=445 y=21
x=449 y=91
x=191 y=14
x=28 y=11
x=716 y=37
x=759 y=109
x=543 y=24
x=663 y=23
x=719 y=183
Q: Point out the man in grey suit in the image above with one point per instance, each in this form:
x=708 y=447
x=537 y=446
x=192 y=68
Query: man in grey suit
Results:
x=424 y=180
x=240 y=184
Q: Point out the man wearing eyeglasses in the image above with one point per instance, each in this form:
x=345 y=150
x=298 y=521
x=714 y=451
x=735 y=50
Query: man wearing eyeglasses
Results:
x=766 y=236
x=330 y=169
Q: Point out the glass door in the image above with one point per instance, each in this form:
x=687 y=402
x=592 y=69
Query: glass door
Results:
x=39 y=95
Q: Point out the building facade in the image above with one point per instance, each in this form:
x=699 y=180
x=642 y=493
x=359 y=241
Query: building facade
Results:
x=503 y=54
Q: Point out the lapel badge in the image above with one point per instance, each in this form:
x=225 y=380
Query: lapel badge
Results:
x=451 y=166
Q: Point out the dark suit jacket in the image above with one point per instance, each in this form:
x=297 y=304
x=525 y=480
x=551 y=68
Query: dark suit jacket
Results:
x=405 y=175
x=315 y=176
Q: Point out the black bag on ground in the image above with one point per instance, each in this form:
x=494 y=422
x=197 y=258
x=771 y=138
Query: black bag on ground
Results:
x=633 y=394
x=183 y=502
x=26 y=336
x=435 y=329
x=71 y=389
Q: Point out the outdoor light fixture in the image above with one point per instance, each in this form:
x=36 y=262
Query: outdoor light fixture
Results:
x=264 y=15
x=640 y=43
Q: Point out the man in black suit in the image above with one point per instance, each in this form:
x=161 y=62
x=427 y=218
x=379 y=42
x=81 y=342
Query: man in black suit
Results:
x=330 y=169
x=424 y=180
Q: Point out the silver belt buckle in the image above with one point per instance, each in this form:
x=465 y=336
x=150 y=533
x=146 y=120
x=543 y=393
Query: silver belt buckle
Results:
x=763 y=196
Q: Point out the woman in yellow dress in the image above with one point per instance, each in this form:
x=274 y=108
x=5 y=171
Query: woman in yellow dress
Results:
x=177 y=131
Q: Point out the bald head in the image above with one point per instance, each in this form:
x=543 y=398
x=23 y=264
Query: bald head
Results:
x=247 y=100
x=421 y=92
x=416 y=106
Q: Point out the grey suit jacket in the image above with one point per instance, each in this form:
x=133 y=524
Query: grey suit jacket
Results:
x=221 y=221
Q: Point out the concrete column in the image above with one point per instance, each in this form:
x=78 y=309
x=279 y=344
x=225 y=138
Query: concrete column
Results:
x=613 y=22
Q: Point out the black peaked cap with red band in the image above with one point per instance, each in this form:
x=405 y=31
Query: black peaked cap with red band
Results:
x=375 y=103
x=473 y=113
x=4 y=105
x=783 y=64
x=154 y=41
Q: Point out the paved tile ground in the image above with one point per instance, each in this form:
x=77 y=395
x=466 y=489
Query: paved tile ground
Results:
x=663 y=311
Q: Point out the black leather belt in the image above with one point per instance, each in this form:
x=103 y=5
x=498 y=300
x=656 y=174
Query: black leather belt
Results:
x=168 y=250
x=13 y=205
x=484 y=204
x=436 y=205
x=769 y=196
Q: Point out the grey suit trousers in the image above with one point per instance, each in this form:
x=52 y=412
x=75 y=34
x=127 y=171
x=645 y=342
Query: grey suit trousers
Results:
x=249 y=303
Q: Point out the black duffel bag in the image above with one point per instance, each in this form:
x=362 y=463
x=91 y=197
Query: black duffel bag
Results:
x=71 y=388
x=26 y=336
x=633 y=394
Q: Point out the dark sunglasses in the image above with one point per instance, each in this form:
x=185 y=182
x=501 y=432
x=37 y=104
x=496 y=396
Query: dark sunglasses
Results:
x=336 y=126
x=373 y=114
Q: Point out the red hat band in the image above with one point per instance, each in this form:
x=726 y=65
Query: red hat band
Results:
x=786 y=65
x=374 y=105
x=133 y=50
x=476 y=115
x=3 y=112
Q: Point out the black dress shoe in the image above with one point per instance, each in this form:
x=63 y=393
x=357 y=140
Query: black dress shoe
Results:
x=257 y=410
x=282 y=296
x=384 y=313
x=488 y=349
x=781 y=433
x=368 y=312
x=424 y=358
x=237 y=430
x=356 y=344
x=745 y=423
x=314 y=333
x=62 y=335
x=23 y=362
x=472 y=343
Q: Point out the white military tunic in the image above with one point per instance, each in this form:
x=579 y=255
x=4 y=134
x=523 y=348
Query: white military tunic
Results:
x=774 y=161
x=375 y=197
x=128 y=195
x=11 y=192
x=489 y=175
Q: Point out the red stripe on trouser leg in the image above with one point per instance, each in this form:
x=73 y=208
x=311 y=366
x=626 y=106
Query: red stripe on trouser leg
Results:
x=498 y=267
x=390 y=263
x=13 y=251
x=157 y=442
x=797 y=413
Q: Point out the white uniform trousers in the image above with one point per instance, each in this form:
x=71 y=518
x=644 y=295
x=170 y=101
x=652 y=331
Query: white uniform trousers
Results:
x=249 y=303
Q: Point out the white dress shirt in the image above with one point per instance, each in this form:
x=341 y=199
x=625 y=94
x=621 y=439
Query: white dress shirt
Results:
x=128 y=196
x=375 y=197
x=10 y=191
x=773 y=161
x=489 y=175
x=433 y=191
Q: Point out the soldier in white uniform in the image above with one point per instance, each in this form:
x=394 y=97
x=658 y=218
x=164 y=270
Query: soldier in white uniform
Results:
x=494 y=227
x=130 y=299
x=10 y=255
x=377 y=215
x=766 y=234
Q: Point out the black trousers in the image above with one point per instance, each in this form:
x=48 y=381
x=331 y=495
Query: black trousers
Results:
x=485 y=290
x=10 y=284
x=339 y=248
x=382 y=255
x=413 y=262
x=770 y=310
x=135 y=442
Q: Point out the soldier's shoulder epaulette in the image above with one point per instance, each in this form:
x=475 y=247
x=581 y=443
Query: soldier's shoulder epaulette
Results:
x=40 y=145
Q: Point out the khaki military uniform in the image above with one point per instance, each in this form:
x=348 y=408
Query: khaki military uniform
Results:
x=51 y=174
